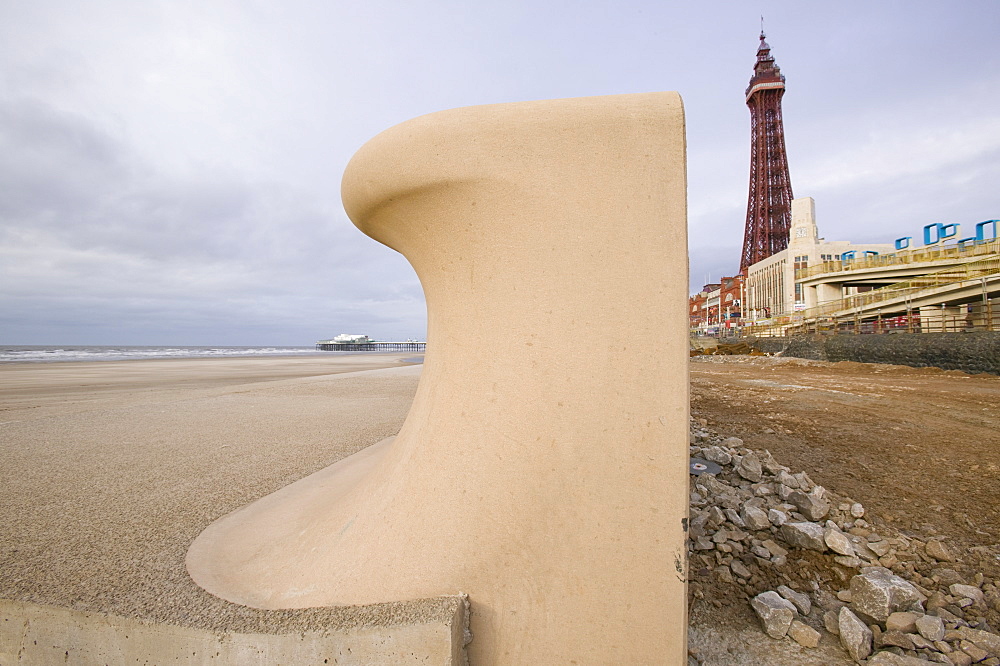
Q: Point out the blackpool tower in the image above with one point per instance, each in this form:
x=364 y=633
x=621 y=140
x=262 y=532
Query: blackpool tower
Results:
x=769 y=213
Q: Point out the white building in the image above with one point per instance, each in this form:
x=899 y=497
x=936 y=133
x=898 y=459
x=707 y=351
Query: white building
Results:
x=770 y=289
x=351 y=338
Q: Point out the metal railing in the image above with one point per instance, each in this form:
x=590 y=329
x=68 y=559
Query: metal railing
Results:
x=987 y=318
x=918 y=255
x=372 y=346
x=909 y=288
x=943 y=322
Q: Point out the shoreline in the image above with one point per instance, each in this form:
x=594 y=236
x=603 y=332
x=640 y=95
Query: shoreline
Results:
x=72 y=353
x=50 y=388
x=318 y=355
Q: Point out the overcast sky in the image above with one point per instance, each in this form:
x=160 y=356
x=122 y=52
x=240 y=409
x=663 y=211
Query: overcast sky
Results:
x=170 y=170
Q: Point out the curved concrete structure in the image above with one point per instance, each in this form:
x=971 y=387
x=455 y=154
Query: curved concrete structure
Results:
x=543 y=466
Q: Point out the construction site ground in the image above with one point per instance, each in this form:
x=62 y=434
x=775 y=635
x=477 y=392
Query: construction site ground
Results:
x=918 y=447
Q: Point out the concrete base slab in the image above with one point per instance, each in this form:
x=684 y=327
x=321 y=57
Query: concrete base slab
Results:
x=41 y=635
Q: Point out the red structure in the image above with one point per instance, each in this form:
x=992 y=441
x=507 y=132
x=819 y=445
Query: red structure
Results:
x=769 y=209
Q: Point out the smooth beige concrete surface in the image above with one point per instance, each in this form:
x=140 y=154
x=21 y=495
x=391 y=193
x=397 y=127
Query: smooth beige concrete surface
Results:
x=43 y=635
x=542 y=468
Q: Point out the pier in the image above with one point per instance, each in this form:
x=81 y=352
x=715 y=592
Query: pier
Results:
x=327 y=345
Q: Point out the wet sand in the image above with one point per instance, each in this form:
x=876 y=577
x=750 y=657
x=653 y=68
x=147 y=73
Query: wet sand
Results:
x=110 y=470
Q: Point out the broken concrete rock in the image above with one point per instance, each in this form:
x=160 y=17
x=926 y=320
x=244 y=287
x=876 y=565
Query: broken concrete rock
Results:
x=750 y=468
x=803 y=634
x=930 y=627
x=959 y=658
x=804 y=535
x=810 y=506
x=967 y=592
x=939 y=551
x=740 y=569
x=984 y=639
x=838 y=542
x=831 y=622
x=977 y=653
x=773 y=548
x=894 y=639
x=877 y=593
x=736 y=526
x=777 y=518
x=850 y=562
x=775 y=613
x=799 y=600
x=892 y=659
x=805 y=483
x=786 y=479
x=755 y=518
x=717 y=455
x=904 y=621
x=880 y=548
x=855 y=635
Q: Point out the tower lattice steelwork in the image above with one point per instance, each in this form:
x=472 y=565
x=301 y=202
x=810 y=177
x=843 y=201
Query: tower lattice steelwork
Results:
x=769 y=213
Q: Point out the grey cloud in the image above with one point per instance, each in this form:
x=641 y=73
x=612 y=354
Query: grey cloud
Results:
x=174 y=167
x=51 y=162
x=95 y=240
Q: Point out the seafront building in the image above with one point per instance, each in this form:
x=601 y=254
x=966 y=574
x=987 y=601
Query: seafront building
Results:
x=814 y=285
x=771 y=288
x=792 y=280
x=717 y=306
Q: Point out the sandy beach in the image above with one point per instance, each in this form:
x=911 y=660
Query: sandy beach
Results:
x=111 y=469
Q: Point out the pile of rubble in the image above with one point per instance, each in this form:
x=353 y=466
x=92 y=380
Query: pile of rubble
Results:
x=890 y=598
x=726 y=349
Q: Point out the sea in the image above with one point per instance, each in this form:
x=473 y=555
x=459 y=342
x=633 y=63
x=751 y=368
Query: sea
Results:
x=61 y=353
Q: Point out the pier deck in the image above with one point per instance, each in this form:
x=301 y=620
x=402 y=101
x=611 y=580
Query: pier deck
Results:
x=372 y=346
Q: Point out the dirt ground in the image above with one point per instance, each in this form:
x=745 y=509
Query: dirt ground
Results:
x=919 y=448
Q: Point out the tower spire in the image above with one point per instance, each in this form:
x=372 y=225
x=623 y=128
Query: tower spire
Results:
x=770 y=198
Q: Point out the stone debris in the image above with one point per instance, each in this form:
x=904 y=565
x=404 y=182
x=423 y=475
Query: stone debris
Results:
x=831 y=623
x=939 y=551
x=755 y=518
x=930 y=627
x=975 y=652
x=989 y=641
x=893 y=659
x=855 y=635
x=877 y=593
x=804 y=535
x=809 y=505
x=750 y=468
x=803 y=634
x=775 y=613
x=837 y=541
x=895 y=639
x=887 y=597
x=799 y=600
x=902 y=621
x=968 y=592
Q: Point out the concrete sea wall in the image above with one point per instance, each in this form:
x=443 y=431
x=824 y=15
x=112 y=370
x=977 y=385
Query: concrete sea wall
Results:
x=41 y=635
x=972 y=352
